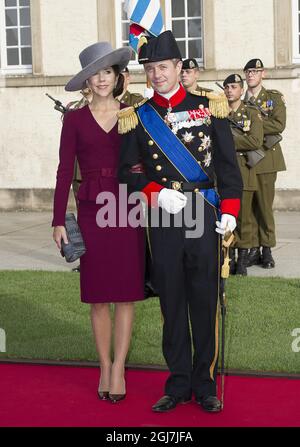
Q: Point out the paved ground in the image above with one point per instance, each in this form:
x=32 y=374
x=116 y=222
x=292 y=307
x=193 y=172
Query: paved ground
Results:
x=26 y=243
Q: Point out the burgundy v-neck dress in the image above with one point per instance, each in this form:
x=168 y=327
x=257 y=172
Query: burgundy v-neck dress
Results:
x=112 y=269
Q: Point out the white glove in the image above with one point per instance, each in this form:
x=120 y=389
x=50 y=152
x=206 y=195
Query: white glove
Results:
x=228 y=223
x=171 y=201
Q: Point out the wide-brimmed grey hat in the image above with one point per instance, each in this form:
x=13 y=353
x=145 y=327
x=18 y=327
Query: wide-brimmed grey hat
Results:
x=96 y=57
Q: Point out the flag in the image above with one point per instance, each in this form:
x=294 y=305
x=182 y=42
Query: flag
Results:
x=145 y=18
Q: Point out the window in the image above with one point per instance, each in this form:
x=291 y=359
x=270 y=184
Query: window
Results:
x=185 y=18
x=296 y=31
x=15 y=37
x=122 y=29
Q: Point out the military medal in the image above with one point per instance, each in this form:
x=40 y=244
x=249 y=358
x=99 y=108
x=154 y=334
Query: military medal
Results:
x=187 y=137
x=188 y=119
x=206 y=143
x=207 y=160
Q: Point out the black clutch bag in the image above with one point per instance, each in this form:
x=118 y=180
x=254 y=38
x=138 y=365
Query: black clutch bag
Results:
x=76 y=247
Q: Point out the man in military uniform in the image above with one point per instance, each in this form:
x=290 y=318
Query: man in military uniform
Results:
x=189 y=76
x=183 y=142
x=130 y=99
x=272 y=107
x=248 y=134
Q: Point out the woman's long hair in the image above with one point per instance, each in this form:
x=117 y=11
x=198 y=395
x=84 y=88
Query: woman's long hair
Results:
x=118 y=90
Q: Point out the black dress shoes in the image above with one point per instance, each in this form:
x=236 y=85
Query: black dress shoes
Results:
x=254 y=257
x=232 y=262
x=209 y=403
x=167 y=403
x=267 y=258
x=241 y=265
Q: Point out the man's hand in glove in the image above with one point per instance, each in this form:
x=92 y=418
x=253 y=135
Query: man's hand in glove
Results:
x=228 y=223
x=171 y=201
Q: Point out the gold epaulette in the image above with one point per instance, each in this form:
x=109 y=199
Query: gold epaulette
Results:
x=199 y=92
x=218 y=105
x=127 y=120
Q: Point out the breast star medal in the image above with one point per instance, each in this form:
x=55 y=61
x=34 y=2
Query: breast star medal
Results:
x=206 y=142
x=207 y=160
x=187 y=137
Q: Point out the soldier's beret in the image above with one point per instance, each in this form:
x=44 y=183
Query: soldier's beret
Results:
x=254 y=63
x=189 y=63
x=233 y=79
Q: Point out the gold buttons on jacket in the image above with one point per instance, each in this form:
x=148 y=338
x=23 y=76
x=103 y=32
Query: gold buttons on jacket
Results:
x=158 y=168
x=150 y=142
x=155 y=156
x=201 y=134
x=164 y=179
x=176 y=185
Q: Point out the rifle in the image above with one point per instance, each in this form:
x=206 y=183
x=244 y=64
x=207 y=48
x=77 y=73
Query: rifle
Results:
x=254 y=156
x=58 y=105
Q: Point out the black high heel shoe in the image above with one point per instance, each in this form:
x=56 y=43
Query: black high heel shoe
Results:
x=103 y=395
x=115 y=398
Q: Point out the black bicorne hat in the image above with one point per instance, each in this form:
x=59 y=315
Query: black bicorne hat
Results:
x=233 y=79
x=254 y=64
x=159 y=48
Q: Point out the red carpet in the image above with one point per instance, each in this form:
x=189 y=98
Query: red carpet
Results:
x=57 y=396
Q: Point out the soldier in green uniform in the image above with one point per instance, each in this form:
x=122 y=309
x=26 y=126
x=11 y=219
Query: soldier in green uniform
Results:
x=130 y=99
x=247 y=129
x=189 y=76
x=272 y=106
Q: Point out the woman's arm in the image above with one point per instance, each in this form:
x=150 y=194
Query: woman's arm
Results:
x=65 y=169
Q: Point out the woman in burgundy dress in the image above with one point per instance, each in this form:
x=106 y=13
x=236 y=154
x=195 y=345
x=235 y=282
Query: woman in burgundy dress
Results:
x=112 y=269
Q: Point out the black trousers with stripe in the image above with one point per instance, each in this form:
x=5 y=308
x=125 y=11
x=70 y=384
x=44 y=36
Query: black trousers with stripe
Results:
x=185 y=273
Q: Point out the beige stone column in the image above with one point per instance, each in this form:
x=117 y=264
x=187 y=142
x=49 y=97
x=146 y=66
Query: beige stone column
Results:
x=283 y=33
x=106 y=21
x=36 y=37
x=209 y=34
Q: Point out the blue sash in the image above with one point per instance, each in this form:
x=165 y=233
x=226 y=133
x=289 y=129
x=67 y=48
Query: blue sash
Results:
x=175 y=151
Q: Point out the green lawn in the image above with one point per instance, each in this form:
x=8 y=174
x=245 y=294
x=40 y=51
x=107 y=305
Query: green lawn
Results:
x=43 y=318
